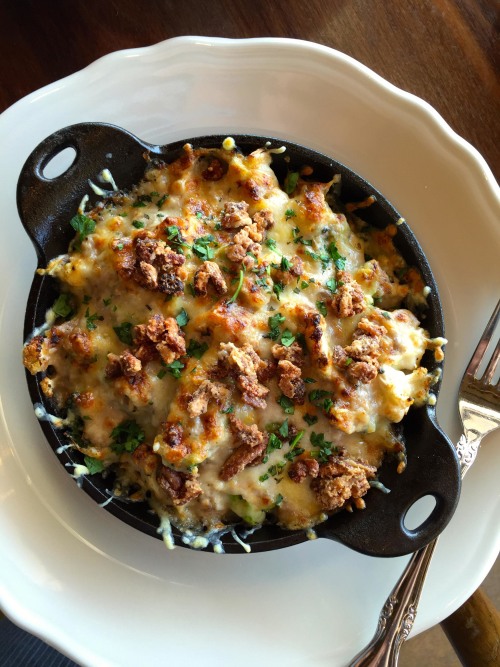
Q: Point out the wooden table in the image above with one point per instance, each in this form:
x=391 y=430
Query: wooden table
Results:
x=441 y=50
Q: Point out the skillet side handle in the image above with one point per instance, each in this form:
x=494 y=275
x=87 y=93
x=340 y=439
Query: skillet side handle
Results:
x=432 y=470
x=46 y=205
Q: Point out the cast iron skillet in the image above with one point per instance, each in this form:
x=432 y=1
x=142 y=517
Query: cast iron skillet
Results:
x=46 y=206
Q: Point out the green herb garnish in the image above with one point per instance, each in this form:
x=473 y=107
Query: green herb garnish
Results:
x=182 y=318
x=83 y=225
x=310 y=419
x=321 y=306
x=92 y=319
x=291 y=181
x=240 y=284
x=124 y=332
x=62 y=306
x=287 y=338
x=324 y=447
x=175 y=368
x=337 y=258
x=196 y=349
x=286 y=404
x=201 y=247
x=127 y=436
x=94 y=465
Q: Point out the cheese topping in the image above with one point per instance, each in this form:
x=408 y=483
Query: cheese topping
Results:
x=232 y=349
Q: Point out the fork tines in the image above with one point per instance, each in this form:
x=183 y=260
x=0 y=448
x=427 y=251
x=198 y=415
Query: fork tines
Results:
x=481 y=349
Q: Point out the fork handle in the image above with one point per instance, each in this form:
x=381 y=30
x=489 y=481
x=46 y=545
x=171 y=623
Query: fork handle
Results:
x=398 y=614
x=400 y=609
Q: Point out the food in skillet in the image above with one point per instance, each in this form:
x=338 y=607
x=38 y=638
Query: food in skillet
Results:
x=231 y=349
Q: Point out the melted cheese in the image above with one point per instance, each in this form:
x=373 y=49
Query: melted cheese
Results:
x=177 y=204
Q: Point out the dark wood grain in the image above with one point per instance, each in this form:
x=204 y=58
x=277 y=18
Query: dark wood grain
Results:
x=445 y=51
x=474 y=632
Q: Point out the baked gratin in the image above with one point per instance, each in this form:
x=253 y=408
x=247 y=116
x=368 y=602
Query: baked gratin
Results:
x=231 y=349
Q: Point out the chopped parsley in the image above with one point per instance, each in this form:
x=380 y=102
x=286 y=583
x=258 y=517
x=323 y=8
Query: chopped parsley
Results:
x=201 y=247
x=331 y=283
x=283 y=429
x=274 y=323
x=287 y=338
x=337 y=258
x=124 y=332
x=228 y=410
x=175 y=368
x=294 y=450
x=62 y=306
x=285 y=264
x=182 y=318
x=291 y=181
x=289 y=213
x=83 y=225
x=93 y=465
x=321 y=306
x=319 y=257
x=273 y=443
x=138 y=224
x=310 y=419
x=162 y=200
x=271 y=243
x=286 y=404
x=127 y=436
x=196 y=349
x=139 y=204
x=321 y=398
x=324 y=447
x=91 y=320
x=278 y=288
x=238 y=289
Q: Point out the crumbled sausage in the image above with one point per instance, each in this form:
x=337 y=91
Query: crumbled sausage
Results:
x=314 y=330
x=173 y=437
x=244 y=364
x=169 y=283
x=296 y=266
x=234 y=215
x=291 y=382
x=360 y=358
x=146 y=459
x=349 y=298
x=339 y=480
x=180 y=486
x=252 y=445
x=209 y=272
x=150 y=262
x=146 y=275
x=293 y=353
x=161 y=334
x=247 y=240
x=214 y=171
x=130 y=365
x=263 y=219
x=302 y=468
x=124 y=256
x=252 y=392
x=198 y=403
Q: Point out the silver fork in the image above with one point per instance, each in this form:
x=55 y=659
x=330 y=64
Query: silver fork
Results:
x=479 y=407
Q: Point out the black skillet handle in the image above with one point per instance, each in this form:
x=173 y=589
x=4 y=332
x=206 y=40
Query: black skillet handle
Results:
x=379 y=530
x=46 y=205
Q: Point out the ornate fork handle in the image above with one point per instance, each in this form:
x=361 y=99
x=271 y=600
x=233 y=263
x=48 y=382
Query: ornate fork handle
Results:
x=400 y=609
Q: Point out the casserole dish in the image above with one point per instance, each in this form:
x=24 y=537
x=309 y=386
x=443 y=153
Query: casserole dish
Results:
x=46 y=205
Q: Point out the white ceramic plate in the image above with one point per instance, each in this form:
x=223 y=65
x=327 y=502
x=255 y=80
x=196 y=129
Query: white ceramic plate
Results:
x=107 y=595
